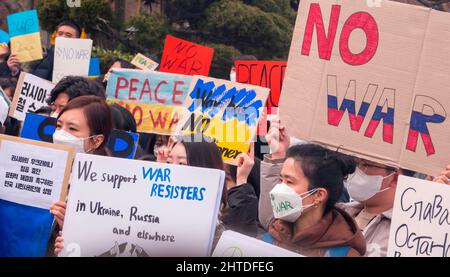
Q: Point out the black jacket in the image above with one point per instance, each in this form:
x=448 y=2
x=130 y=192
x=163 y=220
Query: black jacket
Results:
x=44 y=67
x=242 y=210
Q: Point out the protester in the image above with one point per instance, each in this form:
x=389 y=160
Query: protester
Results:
x=117 y=63
x=71 y=87
x=84 y=124
x=9 y=86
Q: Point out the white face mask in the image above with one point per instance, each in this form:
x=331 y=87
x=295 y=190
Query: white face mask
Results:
x=54 y=115
x=65 y=138
x=233 y=76
x=362 y=187
x=286 y=203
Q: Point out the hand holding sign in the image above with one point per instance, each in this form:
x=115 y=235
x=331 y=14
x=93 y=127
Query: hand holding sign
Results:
x=444 y=178
x=244 y=167
x=58 y=209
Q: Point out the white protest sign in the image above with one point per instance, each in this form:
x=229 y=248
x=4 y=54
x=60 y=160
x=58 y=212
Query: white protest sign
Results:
x=4 y=106
x=30 y=95
x=72 y=57
x=139 y=208
x=420 y=224
x=232 y=244
x=144 y=63
x=33 y=173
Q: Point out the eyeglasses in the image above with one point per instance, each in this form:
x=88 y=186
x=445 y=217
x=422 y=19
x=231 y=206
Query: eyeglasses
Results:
x=364 y=166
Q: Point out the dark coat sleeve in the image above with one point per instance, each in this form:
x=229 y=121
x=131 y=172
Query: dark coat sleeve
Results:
x=4 y=70
x=44 y=68
x=242 y=212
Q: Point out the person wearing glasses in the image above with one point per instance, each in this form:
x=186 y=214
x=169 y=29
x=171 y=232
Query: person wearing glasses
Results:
x=371 y=187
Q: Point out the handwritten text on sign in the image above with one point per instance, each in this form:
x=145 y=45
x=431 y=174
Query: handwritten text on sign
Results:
x=351 y=84
x=137 y=208
x=155 y=99
x=224 y=111
x=184 y=57
x=421 y=219
x=76 y=52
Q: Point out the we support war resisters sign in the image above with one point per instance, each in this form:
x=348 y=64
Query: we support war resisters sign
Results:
x=138 y=208
x=371 y=81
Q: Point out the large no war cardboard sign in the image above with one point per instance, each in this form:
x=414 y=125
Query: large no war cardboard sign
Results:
x=371 y=81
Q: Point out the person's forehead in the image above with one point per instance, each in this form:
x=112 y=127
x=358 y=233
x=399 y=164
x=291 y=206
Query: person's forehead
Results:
x=372 y=163
x=67 y=28
x=73 y=116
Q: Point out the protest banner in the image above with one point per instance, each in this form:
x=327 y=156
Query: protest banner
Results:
x=30 y=95
x=4 y=37
x=138 y=208
x=233 y=244
x=225 y=112
x=384 y=68
x=185 y=57
x=24 y=35
x=94 y=68
x=123 y=144
x=155 y=99
x=144 y=63
x=268 y=74
x=33 y=175
x=74 y=52
x=420 y=225
x=38 y=127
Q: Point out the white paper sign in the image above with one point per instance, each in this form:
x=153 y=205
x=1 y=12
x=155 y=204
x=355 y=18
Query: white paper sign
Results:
x=233 y=244
x=31 y=175
x=30 y=95
x=72 y=57
x=4 y=106
x=139 y=208
x=420 y=224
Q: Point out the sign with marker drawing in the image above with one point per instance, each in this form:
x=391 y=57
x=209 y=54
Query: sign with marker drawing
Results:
x=144 y=63
x=30 y=95
x=268 y=74
x=24 y=35
x=139 y=208
x=233 y=244
x=420 y=224
x=185 y=57
x=371 y=82
x=74 y=52
x=155 y=99
x=225 y=112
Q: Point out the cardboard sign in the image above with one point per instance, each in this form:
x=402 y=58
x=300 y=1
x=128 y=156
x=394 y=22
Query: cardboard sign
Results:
x=72 y=57
x=33 y=173
x=38 y=127
x=123 y=144
x=226 y=112
x=420 y=224
x=138 y=208
x=24 y=35
x=155 y=99
x=268 y=74
x=144 y=63
x=184 y=57
x=94 y=68
x=371 y=82
x=30 y=95
x=232 y=244
x=4 y=37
